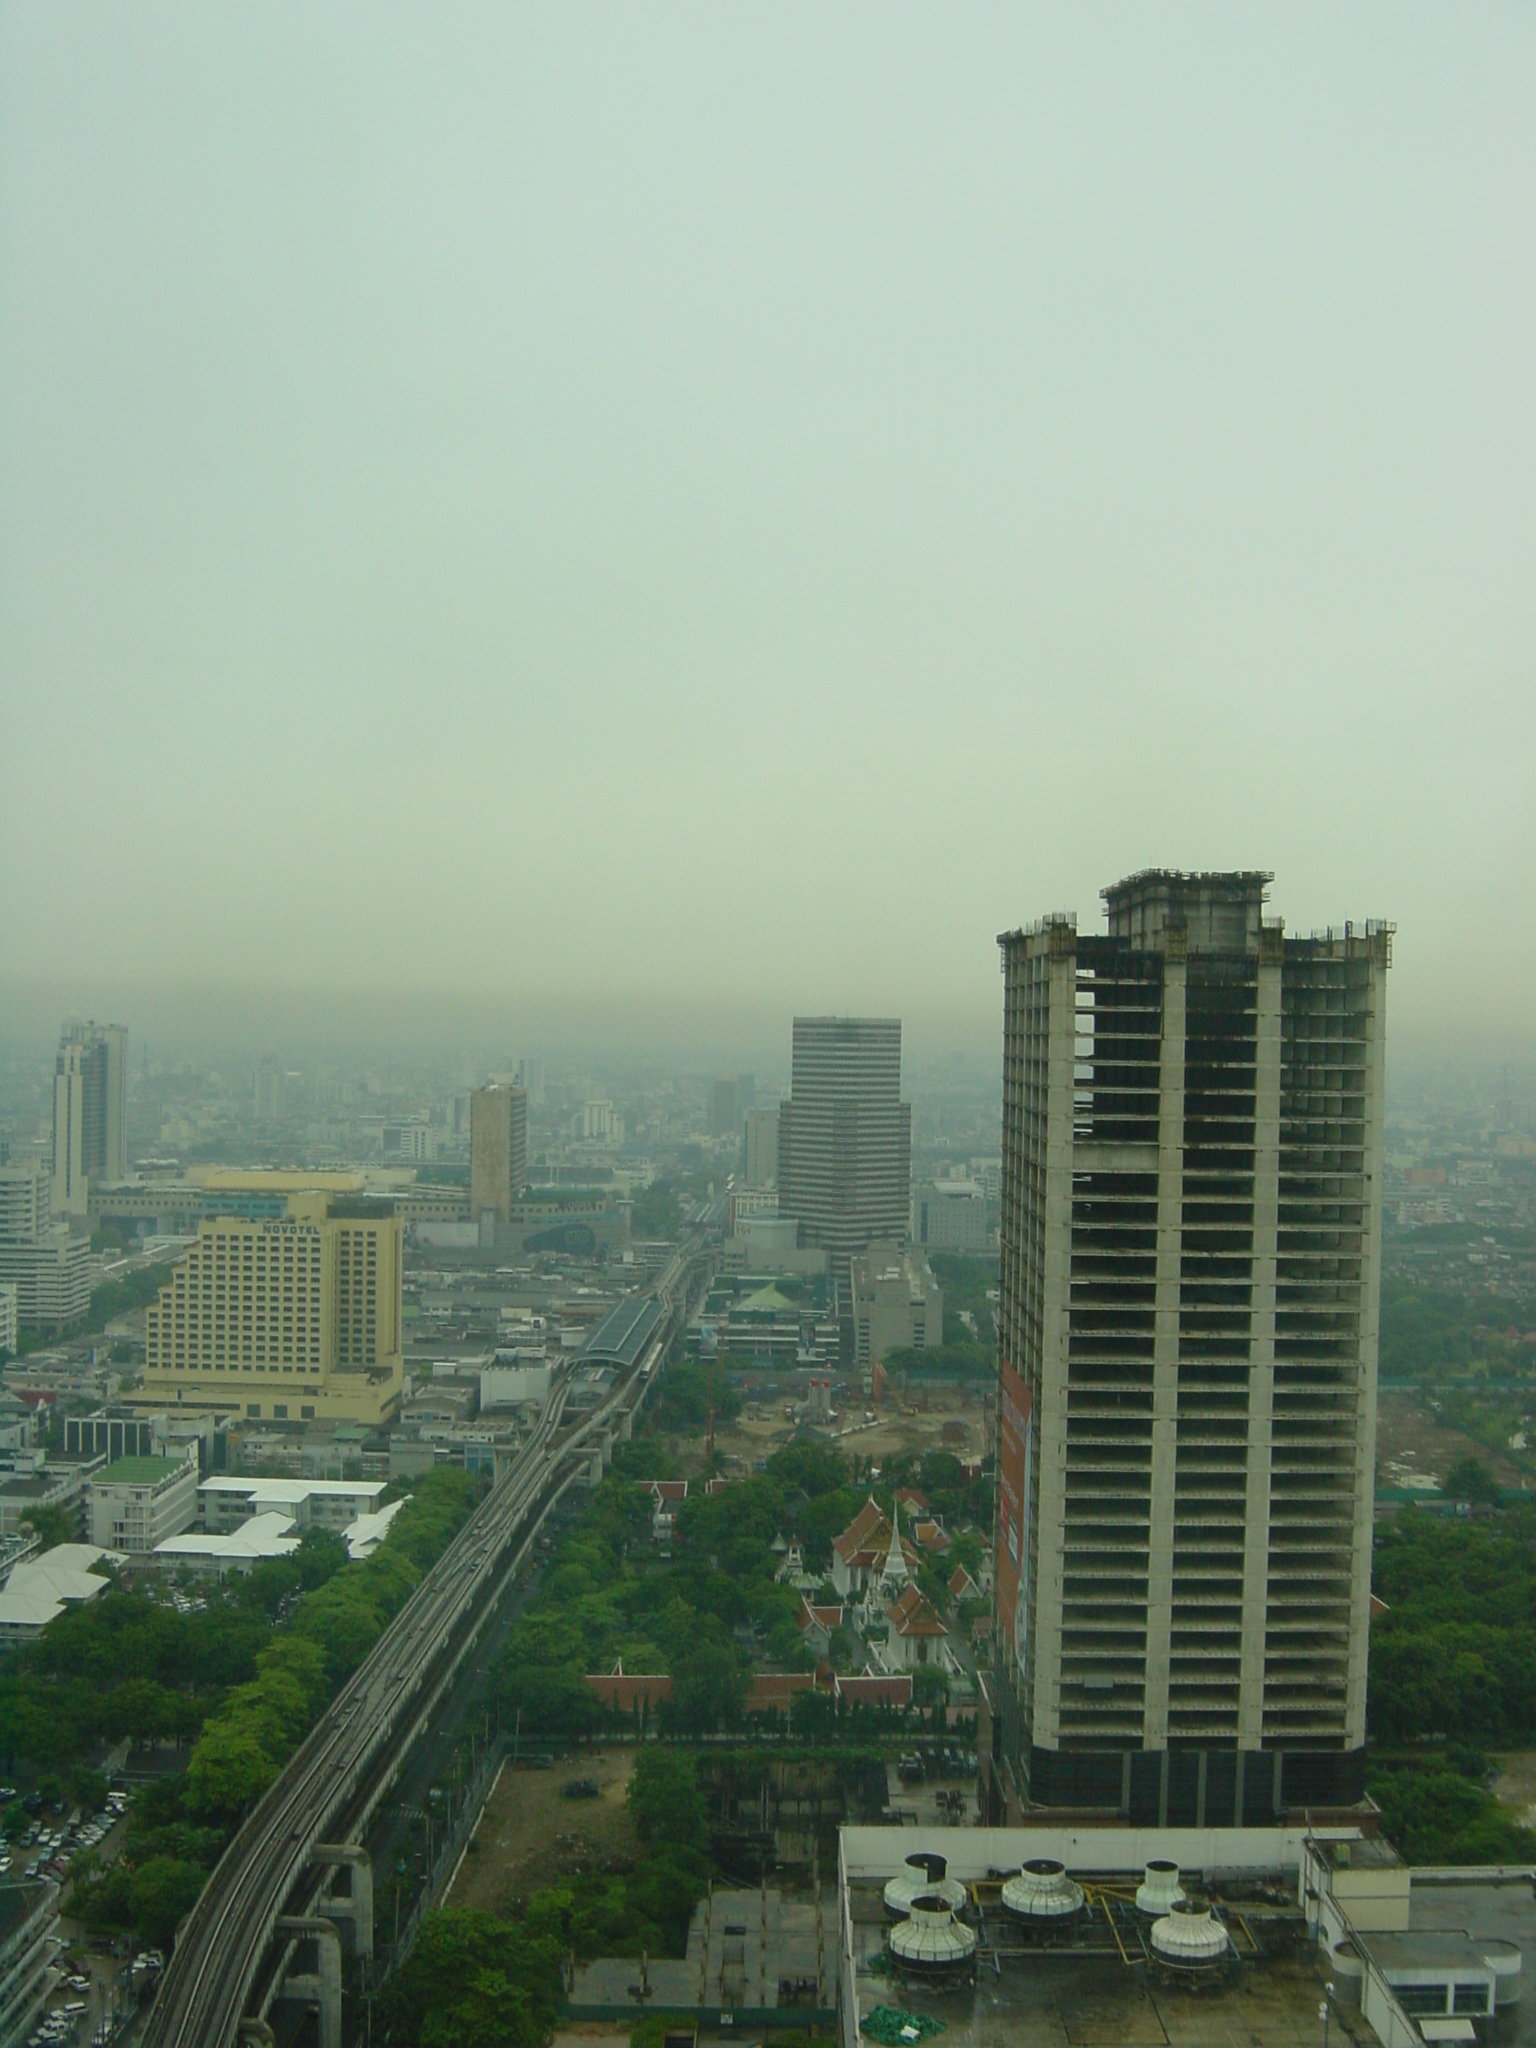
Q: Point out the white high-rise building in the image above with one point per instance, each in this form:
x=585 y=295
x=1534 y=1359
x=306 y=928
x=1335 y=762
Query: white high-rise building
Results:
x=1189 y=1282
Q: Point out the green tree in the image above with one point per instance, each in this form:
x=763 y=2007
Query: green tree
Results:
x=164 y=1891
x=473 y=1981
x=665 y=1802
x=1470 y=1480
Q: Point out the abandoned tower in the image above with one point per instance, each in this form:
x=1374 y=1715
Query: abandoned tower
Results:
x=1191 y=1235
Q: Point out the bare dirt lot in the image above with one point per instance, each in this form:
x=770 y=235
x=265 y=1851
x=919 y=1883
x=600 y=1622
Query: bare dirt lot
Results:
x=531 y=1834
x=1412 y=1440
x=914 y=1424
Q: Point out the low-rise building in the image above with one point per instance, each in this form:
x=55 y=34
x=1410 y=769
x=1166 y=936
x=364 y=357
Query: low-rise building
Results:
x=40 y=1588
x=227 y=1502
x=897 y=1304
x=917 y=1636
x=134 y=1505
x=23 y=1492
x=863 y=1552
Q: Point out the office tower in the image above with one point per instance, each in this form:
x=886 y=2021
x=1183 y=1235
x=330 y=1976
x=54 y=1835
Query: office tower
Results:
x=498 y=1149
x=845 y=1137
x=530 y=1075
x=760 y=1147
x=724 y=1112
x=746 y=1093
x=89 y=1129
x=1191 y=1232
x=288 y=1319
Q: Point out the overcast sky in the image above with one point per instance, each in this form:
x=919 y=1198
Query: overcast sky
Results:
x=741 y=505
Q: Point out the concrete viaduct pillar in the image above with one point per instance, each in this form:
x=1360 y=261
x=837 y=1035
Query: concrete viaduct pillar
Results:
x=355 y=1906
x=324 y=1987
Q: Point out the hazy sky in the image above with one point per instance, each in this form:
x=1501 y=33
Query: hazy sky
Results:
x=744 y=504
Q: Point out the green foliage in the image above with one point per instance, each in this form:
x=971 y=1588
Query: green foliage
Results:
x=656 y=1211
x=1437 y=1809
x=1470 y=1480
x=1456 y=1652
x=965 y=1281
x=87 y=1789
x=665 y=1802
x=473 y=1981
x=684 y=1395
x=52 y=1526
x=953 y=1359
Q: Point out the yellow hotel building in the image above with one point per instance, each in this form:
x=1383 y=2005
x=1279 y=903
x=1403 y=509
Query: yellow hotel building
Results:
x=291 y=1319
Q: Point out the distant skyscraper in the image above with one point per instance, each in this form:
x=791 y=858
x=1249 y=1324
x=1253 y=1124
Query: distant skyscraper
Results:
x=845 y=1137
x=89 y=1098
x=271 y=1089
x=724 y=1109
x=1191 y=1235
x=760 y=1160
x=498 y=1149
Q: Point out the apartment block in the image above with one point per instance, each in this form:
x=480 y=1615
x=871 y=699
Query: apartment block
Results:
x=283 y=1319
x=1190 y=1268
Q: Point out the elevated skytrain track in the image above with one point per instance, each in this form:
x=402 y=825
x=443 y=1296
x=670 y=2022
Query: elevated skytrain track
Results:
x=332 y=1781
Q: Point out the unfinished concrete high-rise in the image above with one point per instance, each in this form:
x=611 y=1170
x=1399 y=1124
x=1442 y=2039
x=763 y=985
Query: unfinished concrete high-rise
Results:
x=1190 y=1267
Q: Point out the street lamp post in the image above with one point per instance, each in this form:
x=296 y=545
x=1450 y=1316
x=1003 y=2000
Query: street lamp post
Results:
x=1323 y=2010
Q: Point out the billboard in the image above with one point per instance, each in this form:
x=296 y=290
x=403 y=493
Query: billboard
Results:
x=1015 y=1484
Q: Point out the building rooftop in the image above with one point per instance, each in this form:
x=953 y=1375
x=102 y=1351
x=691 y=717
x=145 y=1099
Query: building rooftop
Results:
x=141 y=1471
x=623 y=1333
x=41 y=1587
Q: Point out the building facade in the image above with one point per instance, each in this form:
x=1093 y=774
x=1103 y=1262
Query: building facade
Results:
x=950 y=1216
x=134 y=1505
x=897 y=1304
x=760 y=1147
x=288 y=1320
x=498 y=1150
x=845 y=1137
x=89 y=1102
x=51 y=1274
x=1189 y=1280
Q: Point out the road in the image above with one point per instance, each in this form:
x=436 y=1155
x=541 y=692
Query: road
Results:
x=262 y=1874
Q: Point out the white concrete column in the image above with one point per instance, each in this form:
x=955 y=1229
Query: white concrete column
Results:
x=1261 y=1354
x=1165 y=1352
x=324 y=1988
x=355 y=1907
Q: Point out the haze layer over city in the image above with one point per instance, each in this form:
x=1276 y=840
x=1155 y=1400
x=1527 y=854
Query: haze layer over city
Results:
x=767 y=999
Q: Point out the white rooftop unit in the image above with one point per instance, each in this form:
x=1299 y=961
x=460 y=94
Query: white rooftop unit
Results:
x=1189 y=1938
x=1042 y=1894
x=1159 y=1891
x=931 y=1941
x=923 y=1872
